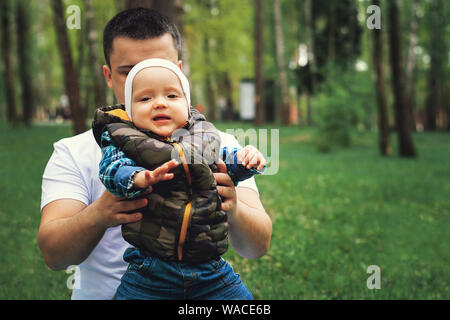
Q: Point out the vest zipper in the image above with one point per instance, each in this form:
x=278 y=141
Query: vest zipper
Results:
x=187 y=209
x=183 y=231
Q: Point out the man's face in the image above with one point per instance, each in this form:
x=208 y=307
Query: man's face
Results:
x=127 y=52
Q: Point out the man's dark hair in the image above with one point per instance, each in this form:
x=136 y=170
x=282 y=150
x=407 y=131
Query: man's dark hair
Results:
x=138 y=24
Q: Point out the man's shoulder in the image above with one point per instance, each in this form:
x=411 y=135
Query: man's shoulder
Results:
x=80 y=146
x=81 y=140
x=227 y=139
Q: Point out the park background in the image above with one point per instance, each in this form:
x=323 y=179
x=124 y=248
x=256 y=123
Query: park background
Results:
x=360 y=96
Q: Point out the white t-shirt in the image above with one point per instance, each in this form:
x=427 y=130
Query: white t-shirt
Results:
x=72 y=173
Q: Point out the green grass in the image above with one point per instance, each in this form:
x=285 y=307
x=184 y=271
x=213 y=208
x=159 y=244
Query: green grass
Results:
x=333 y=215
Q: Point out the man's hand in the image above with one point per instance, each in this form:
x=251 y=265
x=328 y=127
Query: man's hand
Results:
x=146 y=178
x=250 y=228
x=225 y=188
x=70 y=229
x=110 y=211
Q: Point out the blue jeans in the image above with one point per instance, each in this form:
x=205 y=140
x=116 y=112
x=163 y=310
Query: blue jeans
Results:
x=151 y=278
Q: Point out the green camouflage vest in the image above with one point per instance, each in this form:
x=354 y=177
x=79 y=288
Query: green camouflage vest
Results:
x=183 y=220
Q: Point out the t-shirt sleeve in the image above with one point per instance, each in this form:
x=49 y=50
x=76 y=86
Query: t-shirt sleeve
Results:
x=62 y=178
x=230 y=141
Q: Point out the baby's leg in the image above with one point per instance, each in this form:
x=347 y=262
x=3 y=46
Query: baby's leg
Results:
x=216 y=280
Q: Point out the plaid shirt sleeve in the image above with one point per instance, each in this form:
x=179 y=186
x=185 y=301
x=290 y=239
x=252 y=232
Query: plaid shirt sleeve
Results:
x=235 y=169
x=117 y=171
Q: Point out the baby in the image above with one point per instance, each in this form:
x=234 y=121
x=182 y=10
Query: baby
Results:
x=183 y=232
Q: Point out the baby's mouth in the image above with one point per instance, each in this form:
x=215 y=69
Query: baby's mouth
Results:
x=161 y=118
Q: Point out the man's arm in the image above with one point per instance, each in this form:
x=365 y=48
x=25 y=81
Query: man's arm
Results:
x=70 y=230
x=250 y=228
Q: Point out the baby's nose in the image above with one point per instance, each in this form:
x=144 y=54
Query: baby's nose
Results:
x=160 y=102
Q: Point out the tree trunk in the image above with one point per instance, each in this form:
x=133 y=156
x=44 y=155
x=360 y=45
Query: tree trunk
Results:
x=405 y=143
x=99 y=86
x=11 y=114
x=172 y=9
x=352 y=26
x=210 y=95
x=331 y=30
x=284 y=110
x=24 y=55
x=78 y=113
x=138 y=3
x=438 y=52
x=432 y=100
x=258 y=53
x=309 y=30
x=383 y=123
x=228 y=90
x=410 y=66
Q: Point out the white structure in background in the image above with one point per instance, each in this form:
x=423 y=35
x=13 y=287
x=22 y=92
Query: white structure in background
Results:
x=302 y=55
x=247 y=100
x=361 y=65
x=64 y=101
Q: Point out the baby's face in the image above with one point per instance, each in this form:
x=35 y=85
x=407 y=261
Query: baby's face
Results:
x=158 y=102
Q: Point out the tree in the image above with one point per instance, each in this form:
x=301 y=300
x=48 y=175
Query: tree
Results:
x=71 y=84
x=227 y=86
x=331 y=29
x=438 y=52
x=411 y=64
x=337 y=35
x=258 y=55
x=11 y=114
x=405 y=143
x=383 y=124
x=138 y=3
x=283 y=79
x=24 y=55
x=100 y=97
x=309 y=30
x=209 y=81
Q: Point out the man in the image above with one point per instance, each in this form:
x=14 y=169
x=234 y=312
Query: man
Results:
x=80 y=220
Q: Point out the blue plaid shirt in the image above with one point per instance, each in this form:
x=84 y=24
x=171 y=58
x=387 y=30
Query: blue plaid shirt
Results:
x=117 y=171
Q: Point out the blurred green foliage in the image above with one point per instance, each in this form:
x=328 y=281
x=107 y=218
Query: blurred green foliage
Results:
x=345 y=102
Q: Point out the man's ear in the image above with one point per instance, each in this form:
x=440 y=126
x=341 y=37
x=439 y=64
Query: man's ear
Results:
x=107 y=74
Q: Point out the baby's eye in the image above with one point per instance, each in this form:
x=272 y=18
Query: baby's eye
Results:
x=145 y=99
x=172 y=96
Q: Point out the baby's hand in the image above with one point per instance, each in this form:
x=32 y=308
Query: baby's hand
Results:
x=251 y=157
x=146 y=178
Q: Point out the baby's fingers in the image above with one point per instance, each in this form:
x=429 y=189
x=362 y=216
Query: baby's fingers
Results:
x=262 y=163
x=166 y=176
x=241 y=155
x=253 y=159
x=166 y=167
x=160 y=173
